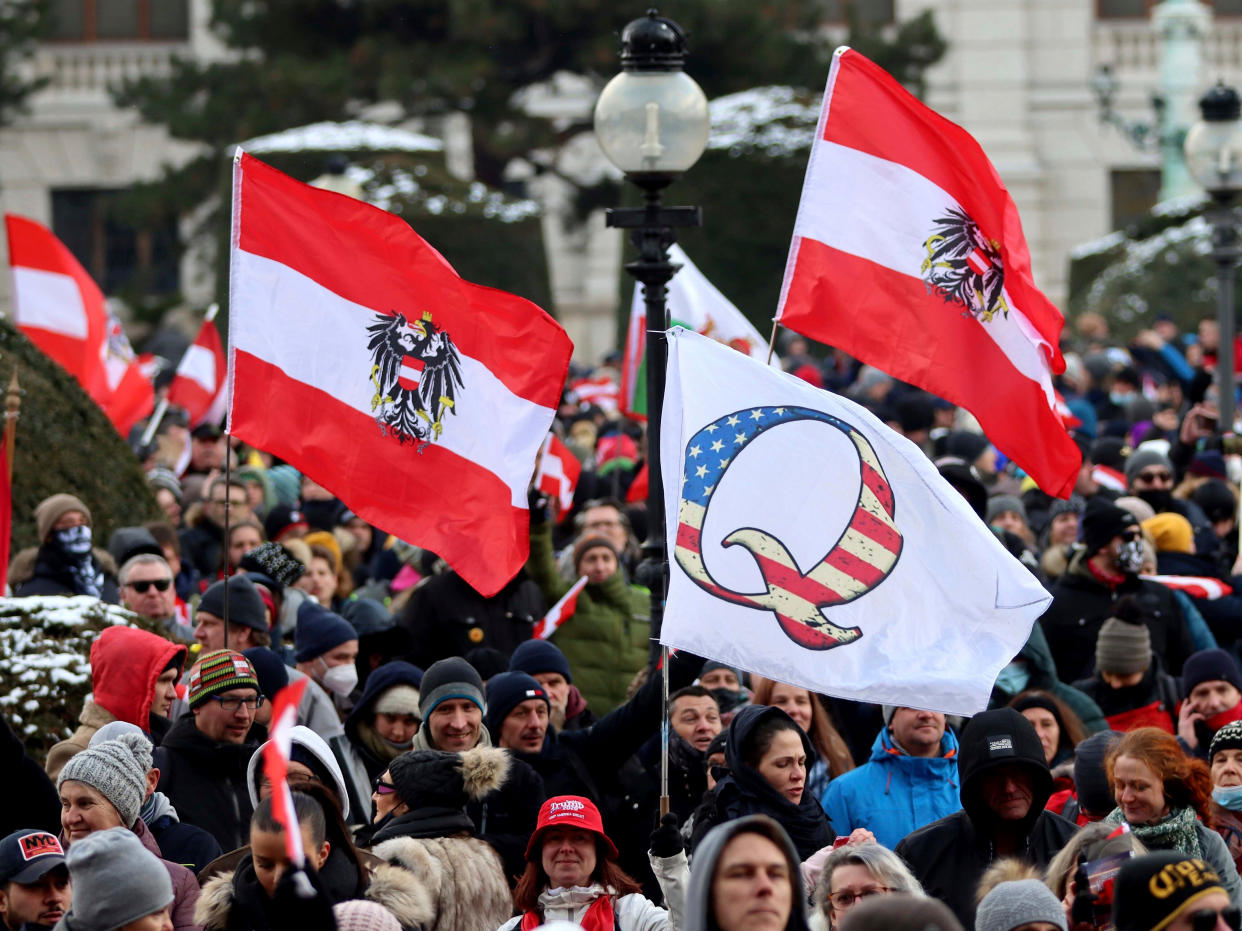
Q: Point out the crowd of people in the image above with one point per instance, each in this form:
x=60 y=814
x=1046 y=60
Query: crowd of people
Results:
x=452 y=771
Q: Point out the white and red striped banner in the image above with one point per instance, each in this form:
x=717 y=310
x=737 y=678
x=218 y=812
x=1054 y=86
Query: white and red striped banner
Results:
x=201 y=377
x=61 y=310
x=276 y=766
x=1108 y=477
x=329 y=297
x=1195 y=586
x=908 y=254
x=811 y=543
x=559 y=613
x=559 y=470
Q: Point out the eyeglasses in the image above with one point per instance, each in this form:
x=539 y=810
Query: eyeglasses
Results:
x=1160 y=476
x=232 y=705
x=384 y=788
x=843 y=900
x=1205 y=919
x=142 y=586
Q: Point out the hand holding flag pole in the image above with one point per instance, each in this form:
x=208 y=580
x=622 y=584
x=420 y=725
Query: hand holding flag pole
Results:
x=276 y=768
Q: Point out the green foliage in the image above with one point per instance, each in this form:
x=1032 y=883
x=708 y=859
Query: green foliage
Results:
x=65 y=443
x=906 y=53
x=22 y=23
x=45 y=672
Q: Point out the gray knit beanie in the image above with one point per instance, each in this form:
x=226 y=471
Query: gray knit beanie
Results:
x=1122 y=647
x=1140 y=459
x=115 y=880
x=1012 y=904
x=999 y=504
x=117 y=769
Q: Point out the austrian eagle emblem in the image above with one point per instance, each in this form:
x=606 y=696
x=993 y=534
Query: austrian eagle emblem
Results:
x=964 y=267
x=416 y=372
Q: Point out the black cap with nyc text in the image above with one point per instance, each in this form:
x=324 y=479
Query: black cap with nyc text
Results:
x=28 y=854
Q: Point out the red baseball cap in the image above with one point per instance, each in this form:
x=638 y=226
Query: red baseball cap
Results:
x=569 y=811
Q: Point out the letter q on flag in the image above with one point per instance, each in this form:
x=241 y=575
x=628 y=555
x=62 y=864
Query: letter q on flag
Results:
x=810 y=543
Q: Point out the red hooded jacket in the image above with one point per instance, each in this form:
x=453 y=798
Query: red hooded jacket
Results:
x=125 y=663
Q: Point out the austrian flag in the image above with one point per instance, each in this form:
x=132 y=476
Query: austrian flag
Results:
x=908 y=254
x=362 y=359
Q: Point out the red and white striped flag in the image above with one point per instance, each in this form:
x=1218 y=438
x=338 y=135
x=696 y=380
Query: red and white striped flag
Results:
x=1067 y=415
x=359 y=356
x=199 y=383
x=908 y=254
x=276 y=766
x=1195 y=586
x=1109 y=477
x=559 y=470
x=559 y=613
x=61 y=310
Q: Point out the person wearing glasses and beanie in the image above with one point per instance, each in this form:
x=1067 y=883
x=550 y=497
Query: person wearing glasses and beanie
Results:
x=134 y=677
x=1105 y=568
x=1169 y=891
x=204 y=758
x=104 y=787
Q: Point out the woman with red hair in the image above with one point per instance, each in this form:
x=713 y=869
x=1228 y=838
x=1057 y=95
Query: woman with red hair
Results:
x=1166 y=799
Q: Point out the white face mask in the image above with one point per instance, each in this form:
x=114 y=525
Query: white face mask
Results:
x=340 y=679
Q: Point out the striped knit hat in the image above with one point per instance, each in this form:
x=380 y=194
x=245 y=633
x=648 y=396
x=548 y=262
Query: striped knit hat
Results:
x=219 y=671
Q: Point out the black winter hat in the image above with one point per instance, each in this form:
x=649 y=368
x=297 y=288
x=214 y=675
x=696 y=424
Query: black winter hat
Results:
x=449 y=678
x=1209 y=666
x=269 y=669
x=245 y=604
x=1090 y=778
x=1216 y=499
x=535 y=656
x=1228 y=737
x=128 y=542
x=965 y=444
x=425 y=778
x=505 y=692
x=996 y=738
x=1103 y=520
x=275 y=562
x=1150 y=890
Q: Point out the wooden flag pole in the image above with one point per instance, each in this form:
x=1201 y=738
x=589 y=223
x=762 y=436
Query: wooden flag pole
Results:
x=12 y=412
x=772 y=341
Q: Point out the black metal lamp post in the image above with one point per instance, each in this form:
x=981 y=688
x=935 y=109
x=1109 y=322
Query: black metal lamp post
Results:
x=1214 y=157
x=652 y=122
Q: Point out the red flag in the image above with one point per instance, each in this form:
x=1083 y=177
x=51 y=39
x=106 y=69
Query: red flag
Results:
x=1195 y=586
x=331 y=299
x=276 y=766
x=908 y=255
x=63 y=312
x=1067 y=415
x=199 y=383
x=558 y=474
x=559 y=613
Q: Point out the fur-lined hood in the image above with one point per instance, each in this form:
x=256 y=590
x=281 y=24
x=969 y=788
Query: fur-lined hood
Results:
x=396 y=889
x=483 y=770
x=463 y=877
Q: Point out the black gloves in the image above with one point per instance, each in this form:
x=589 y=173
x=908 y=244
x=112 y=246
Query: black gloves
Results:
x=666 y=839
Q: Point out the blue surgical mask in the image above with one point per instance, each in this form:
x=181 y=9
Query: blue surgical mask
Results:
x=1119 y=398
x=1228 y=797
x=1013 y=678
x=76 y=541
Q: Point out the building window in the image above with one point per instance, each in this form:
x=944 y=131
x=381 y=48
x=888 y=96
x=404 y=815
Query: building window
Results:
x=112 y=20
x=868 y=12
x=1134 y=192
x=1141 y=9
x=122 y=258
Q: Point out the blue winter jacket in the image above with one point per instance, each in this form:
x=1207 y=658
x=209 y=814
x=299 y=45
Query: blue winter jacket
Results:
x=893 y=794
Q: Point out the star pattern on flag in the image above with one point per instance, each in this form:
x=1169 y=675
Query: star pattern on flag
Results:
x=712 y=457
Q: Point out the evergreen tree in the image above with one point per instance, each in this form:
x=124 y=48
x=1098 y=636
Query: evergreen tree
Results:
x=22 y=23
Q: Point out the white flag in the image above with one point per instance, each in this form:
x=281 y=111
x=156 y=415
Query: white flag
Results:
x=810 y=543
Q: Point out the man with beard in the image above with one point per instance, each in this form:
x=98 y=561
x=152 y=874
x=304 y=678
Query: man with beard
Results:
x=34 y=882
x=1104 y=569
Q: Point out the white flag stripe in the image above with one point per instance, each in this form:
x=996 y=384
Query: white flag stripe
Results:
x=276 y=296
x=199 y=365
x=934 y=632
x=894 y=237
x=49 y=301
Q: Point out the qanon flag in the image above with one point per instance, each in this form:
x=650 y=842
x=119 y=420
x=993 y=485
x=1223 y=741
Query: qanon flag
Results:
x=811 y=543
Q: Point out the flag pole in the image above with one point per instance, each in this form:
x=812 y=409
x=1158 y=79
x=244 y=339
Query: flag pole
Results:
x=12 y=413
x=154 y=423
x=664 y=726
x=228 y=498
x=772 y=341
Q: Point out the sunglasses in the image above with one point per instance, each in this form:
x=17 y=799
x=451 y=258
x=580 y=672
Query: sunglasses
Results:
x=384 y=788
x=1129 y=536
x=1161 y=476
x=1205 y=919
x=144 y=585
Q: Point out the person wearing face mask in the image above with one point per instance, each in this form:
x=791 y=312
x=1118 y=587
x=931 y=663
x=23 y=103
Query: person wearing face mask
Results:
x=1150 y=475
x=1225 y=760
x=1105 y=569
x=65 y=563
x=326 y=646
x=383 y=723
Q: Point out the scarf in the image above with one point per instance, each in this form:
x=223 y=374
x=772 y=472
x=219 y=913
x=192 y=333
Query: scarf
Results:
x=1176 y=831
x=422 y=740
x=383 y=750
x=156 y=807
x=599 y=916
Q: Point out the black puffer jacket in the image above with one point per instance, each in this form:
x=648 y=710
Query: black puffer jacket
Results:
x=948 y=856
x=1081 y=604
x=53 y=576
x=206 y=780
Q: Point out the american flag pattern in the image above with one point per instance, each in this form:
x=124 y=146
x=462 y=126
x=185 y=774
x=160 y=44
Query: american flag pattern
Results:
x=861 y=558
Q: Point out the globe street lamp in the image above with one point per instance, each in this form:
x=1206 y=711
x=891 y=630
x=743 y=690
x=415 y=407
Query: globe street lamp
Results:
x=652 y=122
x=1214 y=158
